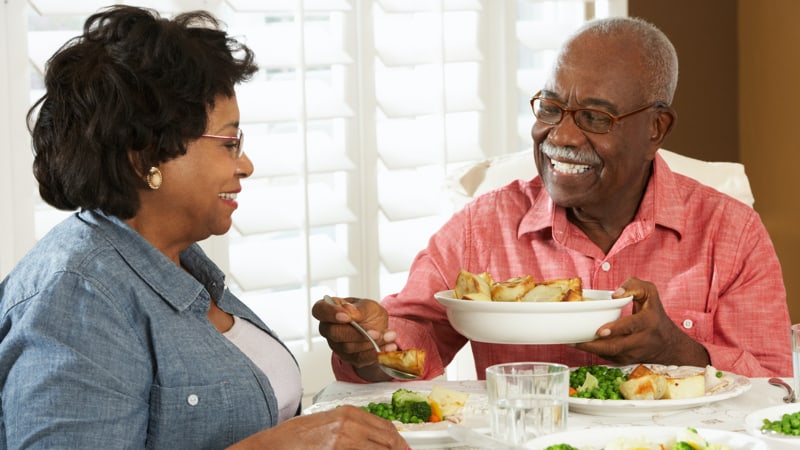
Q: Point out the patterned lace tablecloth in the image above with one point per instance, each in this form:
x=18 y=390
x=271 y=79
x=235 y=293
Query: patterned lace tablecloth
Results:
x=728 y=414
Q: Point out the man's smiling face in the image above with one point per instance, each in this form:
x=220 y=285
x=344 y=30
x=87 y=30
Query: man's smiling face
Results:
x=586 y=170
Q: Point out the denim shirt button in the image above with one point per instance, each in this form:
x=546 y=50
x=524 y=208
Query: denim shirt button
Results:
x=192 y=400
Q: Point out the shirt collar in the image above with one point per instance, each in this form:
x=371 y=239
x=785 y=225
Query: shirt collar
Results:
x=663 y=194
x=658 y=205
x=172 y=283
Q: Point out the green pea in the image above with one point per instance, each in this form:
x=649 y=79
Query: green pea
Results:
x=608 y=379
x=789 y=424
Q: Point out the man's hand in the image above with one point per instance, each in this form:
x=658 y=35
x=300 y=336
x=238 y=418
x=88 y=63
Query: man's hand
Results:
x=347 y=342
x=646 y=336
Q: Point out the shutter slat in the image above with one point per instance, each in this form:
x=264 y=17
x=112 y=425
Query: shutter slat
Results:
x=278 y=101
x=264 y=209
x=278 y=6
x=263 y=263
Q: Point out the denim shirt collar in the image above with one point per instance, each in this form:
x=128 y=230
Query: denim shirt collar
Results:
x=165 y=277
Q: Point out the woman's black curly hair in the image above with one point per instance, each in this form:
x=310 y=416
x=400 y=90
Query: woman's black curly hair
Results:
x=126 y=95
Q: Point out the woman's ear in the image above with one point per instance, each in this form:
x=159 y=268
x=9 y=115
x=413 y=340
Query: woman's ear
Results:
x=135 y=160
x=662 y=124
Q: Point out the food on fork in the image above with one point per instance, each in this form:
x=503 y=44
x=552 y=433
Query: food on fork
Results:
x=410 y=361
x=482 y=287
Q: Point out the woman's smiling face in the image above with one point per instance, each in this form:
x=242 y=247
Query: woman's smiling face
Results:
x=199 y=190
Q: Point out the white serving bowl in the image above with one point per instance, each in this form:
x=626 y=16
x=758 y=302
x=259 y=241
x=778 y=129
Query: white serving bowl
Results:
x=532 y=322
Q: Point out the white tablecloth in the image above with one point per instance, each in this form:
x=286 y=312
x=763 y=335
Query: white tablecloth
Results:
x=723 y=415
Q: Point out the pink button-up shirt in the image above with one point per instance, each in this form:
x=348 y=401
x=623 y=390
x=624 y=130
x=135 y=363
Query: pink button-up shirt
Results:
x=708 y=254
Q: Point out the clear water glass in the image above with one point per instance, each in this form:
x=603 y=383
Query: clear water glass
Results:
x=527 y=400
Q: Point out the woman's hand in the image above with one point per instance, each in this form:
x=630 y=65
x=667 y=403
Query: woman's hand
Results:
x=646 y=336
x=345 y=427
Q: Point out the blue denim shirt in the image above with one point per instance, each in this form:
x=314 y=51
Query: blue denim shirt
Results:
x=105 y=343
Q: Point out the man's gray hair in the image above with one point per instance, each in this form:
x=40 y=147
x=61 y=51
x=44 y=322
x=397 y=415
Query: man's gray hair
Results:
x=660 y=58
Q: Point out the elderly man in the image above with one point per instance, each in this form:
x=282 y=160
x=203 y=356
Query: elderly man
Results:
x=605 y=207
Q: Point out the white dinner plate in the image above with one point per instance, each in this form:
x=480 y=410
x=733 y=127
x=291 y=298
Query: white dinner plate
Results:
x=474 y=415
x=755 y=419
x=597 y=438
x=598 y=407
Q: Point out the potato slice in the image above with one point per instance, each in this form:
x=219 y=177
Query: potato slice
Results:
x=451 y=401
x=470 y=286
x=686 y=387
x=513 y=289
x=647 y=387
x=560 y=290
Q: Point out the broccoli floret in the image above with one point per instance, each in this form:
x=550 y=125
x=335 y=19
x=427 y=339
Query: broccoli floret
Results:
x=682 y=445
x=401 y=396
x=420 y=410
x=410 y=404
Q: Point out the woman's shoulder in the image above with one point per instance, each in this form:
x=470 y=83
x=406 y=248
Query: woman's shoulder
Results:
x=71 y=250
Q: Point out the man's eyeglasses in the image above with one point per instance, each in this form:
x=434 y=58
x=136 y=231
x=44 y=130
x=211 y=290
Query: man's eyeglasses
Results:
x=587 y=119
x=235 y=146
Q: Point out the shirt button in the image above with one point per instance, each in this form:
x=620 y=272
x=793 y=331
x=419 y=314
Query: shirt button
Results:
x=606 y=266
x=192 y=400
x=688 y=324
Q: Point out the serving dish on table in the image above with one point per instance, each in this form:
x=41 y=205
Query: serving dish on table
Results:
x=597 y=438
x=532 y=322
x=755 y=420
x=737 y=385
x=473 y=415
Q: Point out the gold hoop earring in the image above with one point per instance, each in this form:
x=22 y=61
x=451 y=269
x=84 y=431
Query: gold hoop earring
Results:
x=153 y=178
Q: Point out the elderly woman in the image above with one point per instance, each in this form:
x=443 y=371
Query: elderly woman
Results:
x=116 y=331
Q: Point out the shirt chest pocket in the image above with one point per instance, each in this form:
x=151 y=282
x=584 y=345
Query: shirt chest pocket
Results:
x=189 y=416
x=697 y=324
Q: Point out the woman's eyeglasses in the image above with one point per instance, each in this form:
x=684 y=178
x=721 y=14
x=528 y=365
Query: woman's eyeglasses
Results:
x=235 y=146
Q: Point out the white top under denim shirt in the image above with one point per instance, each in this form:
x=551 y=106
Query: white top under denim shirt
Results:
x=105 y=343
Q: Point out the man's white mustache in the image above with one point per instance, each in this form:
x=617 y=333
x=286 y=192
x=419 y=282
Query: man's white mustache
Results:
x=567 y=153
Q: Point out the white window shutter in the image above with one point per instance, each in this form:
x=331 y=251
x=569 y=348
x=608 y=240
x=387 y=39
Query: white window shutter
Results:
x=359 y=111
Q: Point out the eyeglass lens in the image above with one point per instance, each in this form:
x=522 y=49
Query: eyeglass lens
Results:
x=591 y=120
x=240 y=144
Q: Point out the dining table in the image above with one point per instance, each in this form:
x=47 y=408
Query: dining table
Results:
x=728 y=414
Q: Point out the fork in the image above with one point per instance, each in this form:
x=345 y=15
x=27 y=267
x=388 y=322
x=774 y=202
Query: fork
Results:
x=392 y=372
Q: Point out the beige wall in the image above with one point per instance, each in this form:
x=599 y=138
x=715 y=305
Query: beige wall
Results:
x=739 y=80
x=769 y=124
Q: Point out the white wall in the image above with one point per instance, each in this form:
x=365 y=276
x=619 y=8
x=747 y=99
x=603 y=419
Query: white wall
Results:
x=17 y=189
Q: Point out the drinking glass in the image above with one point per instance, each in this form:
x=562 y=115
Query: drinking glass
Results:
x=527 y=400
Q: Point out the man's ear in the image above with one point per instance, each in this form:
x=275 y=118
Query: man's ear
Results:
x=662 y=124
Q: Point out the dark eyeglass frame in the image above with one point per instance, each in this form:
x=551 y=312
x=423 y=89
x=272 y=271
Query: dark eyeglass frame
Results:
x=612 y=118
x=239 y=142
